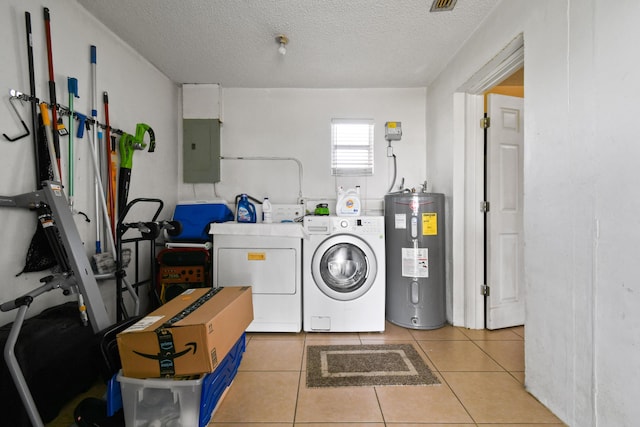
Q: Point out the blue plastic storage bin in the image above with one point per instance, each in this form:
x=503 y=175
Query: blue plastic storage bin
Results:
x=190 y=401
x=215 y=384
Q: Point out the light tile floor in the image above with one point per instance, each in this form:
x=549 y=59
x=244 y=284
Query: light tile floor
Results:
x=481 y=374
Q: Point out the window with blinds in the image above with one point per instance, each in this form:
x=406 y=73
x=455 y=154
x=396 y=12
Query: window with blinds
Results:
x=351 y=147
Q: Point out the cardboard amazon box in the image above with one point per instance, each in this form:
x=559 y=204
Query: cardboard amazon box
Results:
x=189 y=335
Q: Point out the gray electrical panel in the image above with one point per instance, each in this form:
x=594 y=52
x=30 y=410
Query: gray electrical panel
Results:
x=201 y=150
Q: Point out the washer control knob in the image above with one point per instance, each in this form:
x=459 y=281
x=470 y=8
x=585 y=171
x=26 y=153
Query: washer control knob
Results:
x=344 y=223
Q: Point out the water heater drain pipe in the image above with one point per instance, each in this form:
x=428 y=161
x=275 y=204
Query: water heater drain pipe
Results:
x=298 y=162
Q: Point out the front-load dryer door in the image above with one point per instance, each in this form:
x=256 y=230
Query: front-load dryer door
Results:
x=344 y=267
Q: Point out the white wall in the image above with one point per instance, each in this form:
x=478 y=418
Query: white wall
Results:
x=296 y=123
x=137 y=93
x=256 y=122
x=610 y=94
x=581 y=206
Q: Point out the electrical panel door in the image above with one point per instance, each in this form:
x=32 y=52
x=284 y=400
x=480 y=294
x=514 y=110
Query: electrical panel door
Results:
x=201 y=150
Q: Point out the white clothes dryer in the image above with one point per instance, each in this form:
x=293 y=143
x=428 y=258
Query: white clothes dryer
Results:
x=344 y=274
x=268 y=257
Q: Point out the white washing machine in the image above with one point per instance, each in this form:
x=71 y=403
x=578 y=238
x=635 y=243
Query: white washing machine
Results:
x=344 y=274
x=267 y=257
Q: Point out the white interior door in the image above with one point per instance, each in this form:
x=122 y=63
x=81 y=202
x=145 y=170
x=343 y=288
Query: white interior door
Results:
x=505 y=262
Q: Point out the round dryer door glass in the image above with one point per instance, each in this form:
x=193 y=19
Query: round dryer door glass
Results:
x=344 y=267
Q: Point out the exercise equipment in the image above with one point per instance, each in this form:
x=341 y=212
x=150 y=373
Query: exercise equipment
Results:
x=75 y=277
x=22 y=304
x=57 y=356
x=62 y=233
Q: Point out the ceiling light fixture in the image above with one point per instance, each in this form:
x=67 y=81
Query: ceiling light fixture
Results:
x=282 y=41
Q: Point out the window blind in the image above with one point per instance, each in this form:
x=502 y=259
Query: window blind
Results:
x=351 y=147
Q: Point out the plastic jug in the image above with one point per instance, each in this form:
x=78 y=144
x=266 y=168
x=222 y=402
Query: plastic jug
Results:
x=267 y=211
x=245 y=211
x=348 y=203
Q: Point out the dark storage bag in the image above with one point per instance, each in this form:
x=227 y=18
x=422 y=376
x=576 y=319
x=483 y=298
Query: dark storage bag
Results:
x=57 y=355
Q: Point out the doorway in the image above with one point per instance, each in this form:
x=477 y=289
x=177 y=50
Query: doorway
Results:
x=469 y=190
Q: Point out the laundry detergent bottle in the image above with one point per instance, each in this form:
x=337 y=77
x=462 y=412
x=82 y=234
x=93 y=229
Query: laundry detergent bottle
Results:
x=246 y=211
x=267 y=211
x=348 y=202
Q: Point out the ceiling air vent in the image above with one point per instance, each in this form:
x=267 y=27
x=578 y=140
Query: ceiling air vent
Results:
x=442 y=5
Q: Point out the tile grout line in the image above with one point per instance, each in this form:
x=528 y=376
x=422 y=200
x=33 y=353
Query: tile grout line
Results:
x=445 y=380
x=302 y=364
x=492 y=358
x=375 y=390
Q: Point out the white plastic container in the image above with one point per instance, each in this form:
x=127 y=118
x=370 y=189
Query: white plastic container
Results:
x=167 y=402
x=160 y=401
x=267 y=211
x=348 y=203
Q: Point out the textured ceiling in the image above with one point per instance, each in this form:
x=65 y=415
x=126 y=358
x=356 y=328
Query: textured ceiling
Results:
x=332 y=43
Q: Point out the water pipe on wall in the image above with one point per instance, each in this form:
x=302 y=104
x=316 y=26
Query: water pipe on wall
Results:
x=298 y=162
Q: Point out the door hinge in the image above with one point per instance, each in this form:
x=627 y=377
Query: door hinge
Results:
x=484 y=206
x=485 y=122
x=484 y=290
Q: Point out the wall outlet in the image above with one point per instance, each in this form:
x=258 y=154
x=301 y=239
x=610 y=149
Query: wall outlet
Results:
x=287 y=212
